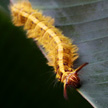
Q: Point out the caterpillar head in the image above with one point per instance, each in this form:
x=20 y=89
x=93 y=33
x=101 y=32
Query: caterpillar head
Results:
x=72 y=79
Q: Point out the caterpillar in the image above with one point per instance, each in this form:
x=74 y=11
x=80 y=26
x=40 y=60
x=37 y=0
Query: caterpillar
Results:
x=61 y=53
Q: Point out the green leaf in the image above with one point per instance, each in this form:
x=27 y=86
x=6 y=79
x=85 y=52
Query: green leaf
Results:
x=86 y=22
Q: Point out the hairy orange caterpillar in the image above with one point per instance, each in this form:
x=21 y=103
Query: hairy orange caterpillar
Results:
x=61 y=53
